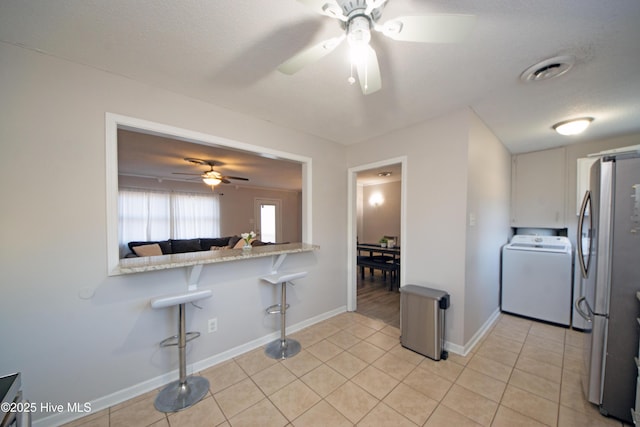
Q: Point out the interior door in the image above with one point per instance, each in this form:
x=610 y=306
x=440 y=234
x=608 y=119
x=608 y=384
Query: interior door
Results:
x=268 y=214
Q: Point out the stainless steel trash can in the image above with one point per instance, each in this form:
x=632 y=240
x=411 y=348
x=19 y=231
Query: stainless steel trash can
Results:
x=422 y=320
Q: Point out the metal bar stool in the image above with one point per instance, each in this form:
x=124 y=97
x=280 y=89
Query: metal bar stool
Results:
x=283 y=347
x=187 y=390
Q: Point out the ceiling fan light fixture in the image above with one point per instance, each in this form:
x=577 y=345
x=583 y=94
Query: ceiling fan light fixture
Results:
x=358 y=37
x=359 y=31
x=211 y=181
x=573 y=127
x=211 y=178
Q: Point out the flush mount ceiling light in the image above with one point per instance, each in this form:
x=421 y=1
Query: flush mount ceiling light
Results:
x=548 y=69
x=573 y=127
x=384 y=174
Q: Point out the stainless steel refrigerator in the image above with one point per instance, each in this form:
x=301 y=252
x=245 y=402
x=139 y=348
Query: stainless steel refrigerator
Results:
x=609 y=256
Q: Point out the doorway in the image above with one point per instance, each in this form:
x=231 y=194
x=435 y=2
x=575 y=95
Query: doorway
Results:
x=268 y=219
x=369 y=190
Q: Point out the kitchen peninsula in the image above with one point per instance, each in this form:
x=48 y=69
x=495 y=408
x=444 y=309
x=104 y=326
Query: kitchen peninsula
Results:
x=197 y=260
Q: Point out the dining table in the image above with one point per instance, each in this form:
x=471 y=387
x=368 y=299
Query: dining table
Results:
x=383 y=258
x=376 y=248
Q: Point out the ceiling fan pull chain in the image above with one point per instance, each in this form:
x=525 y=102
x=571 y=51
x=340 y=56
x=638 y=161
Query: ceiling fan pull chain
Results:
x=366 y=70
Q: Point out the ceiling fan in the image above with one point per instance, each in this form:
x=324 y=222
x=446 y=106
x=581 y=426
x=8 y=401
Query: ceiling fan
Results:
x=358 y=18
x=210 y=177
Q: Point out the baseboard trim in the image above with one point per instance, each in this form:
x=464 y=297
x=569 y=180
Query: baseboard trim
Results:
x=154 y=383
x=481 y=332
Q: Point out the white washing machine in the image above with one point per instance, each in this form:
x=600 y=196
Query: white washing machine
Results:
x=536 y=278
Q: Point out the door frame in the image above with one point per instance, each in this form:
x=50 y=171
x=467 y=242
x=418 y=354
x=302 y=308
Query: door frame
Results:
x=352 y=224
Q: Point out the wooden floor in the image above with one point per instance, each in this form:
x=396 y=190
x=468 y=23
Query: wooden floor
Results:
x=376 y=301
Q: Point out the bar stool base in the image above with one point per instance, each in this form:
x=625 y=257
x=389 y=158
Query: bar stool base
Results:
x=280 y=349
x=176 y=396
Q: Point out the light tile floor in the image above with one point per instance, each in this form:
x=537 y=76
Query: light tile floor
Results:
x=352 y=371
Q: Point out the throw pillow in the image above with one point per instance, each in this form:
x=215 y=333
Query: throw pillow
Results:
x=233 y=240
x=148 y=250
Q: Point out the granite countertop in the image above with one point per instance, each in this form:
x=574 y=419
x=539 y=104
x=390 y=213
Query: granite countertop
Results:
x=142 y=264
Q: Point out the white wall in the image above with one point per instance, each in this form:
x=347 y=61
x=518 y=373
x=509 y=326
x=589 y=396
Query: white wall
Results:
x=488 y=203
x=53 y=227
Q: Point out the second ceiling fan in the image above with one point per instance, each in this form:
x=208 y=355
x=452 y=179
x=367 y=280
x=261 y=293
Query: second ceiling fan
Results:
x=358 y=18
x=210 y=177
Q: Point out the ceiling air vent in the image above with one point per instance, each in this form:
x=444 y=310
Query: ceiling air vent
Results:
x=548 y=69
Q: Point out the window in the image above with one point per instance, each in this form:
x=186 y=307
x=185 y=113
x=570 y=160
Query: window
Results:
x=147 y=215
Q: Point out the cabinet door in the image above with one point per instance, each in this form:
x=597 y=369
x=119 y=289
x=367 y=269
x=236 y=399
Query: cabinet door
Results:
x=582 y=180
x=538 y=191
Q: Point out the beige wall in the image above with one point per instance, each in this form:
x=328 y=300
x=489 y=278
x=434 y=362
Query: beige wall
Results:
x=237 y=211
x=383 y=220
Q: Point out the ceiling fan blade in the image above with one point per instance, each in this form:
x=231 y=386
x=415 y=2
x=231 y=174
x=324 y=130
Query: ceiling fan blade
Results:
x=325 y=7
x=183 y=173
x=236 y=177
x=307 y=56
x=373 y=4
x=440 y=28
x=369 y=72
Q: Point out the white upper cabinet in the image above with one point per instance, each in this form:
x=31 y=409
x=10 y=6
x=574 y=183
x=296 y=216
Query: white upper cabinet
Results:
x=582 y=180
x=538 y=189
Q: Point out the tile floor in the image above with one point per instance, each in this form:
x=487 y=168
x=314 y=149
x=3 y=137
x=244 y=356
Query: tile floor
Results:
x=352 y=371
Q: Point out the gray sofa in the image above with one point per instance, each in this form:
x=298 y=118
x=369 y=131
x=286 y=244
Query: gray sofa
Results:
x=179 y=246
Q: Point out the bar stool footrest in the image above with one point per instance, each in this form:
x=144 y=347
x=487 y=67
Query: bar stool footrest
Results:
x=276 y=309
x=174 y=340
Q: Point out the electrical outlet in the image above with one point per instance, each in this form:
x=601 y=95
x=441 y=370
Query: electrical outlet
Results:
x=213 y=324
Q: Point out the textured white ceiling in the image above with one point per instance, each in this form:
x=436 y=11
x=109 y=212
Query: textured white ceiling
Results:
x=226 y=52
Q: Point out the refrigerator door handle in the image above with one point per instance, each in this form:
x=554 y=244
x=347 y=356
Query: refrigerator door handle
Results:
x=588 y=316
x=583 y=209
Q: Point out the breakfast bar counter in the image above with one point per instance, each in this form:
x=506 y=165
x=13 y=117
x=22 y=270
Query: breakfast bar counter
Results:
x=198 y=259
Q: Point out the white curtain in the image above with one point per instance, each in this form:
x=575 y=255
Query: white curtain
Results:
x=146 y=215
x=195 y=215
x=143 y=215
